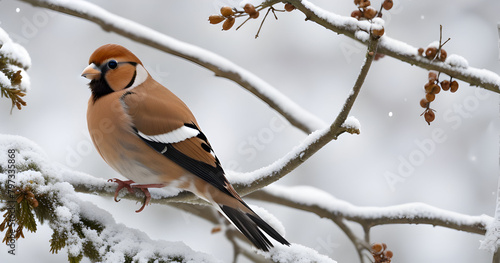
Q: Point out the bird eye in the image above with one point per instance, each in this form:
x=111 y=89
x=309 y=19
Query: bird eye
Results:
x=112 y=64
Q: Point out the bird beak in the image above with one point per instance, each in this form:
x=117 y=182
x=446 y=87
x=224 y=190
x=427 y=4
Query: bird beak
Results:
x=91 y=72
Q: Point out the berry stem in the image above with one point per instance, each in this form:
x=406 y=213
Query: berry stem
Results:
x=262 y=23
x=379 y=14
x=438 y=53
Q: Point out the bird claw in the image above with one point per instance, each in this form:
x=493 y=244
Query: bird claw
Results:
x=146 y=199
x=129 y=184
x=121 y=184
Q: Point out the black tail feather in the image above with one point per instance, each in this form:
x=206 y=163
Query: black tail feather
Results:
x=249 y=225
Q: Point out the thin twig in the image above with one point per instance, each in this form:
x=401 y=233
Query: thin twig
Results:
x=370 y=55
x=303 y=153
x=262 y=23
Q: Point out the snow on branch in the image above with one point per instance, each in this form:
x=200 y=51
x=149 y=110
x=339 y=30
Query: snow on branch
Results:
x=44 y=190
x=37 y=190
x=222 y=67
x=357 y=30
x=325 y=205
x=248 y=182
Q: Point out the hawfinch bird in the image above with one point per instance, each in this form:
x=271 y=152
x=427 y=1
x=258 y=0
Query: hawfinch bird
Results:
x=147 y=134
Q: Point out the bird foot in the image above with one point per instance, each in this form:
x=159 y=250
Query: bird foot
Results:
x=129 y=184
x=121 y=184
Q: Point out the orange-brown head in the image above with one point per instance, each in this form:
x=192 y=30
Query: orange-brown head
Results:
x=113 y=68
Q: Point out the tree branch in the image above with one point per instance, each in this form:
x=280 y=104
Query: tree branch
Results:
x=351 y=27
x=222 y=67
x=325 y=205
x=249 y=182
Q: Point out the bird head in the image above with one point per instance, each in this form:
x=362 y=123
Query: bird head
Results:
x=112 y=68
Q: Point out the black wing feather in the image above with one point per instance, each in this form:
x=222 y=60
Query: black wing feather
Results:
x=212 y=174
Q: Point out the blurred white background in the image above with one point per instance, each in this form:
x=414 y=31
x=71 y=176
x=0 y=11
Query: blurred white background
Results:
x=314 y=67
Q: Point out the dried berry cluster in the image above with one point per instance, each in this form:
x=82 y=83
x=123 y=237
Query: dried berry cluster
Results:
x=381 y=254
x=435 y=51
x=366 y=11
x=433 y=87
x=432 y=53
x=228 y=15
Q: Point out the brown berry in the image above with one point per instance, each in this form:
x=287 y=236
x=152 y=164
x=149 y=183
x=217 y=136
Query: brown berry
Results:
x=443 y=55
x=424 y=103
x=428 y=87
x=254 y=15
x=430 y=97
x=420 y=51
x=357 y=2
x=356 y=14
x=454 y=86
x=226 y=11
x=364 y=3
x=216 y=229
x=387 y=5
x=429 y=116
x=378 y=32
x=215 y=19
x=228 y=23
x=378 y=56
x=431 y=52
x=388 y=254
x=377 y=248
x=34 y=203
x=289 y=7
x=432 y=76
x=435 y=89
x=249 y=9
x=445 y=85
x=370 y=13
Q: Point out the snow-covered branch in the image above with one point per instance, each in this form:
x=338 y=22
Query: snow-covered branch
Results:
x=38 y=189
x=222 y=67
x=325 y=205
x=357 y=30
x=249 y=182
x=44 y=190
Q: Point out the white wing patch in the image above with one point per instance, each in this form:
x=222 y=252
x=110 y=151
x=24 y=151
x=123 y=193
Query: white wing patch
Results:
x=175 y=136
